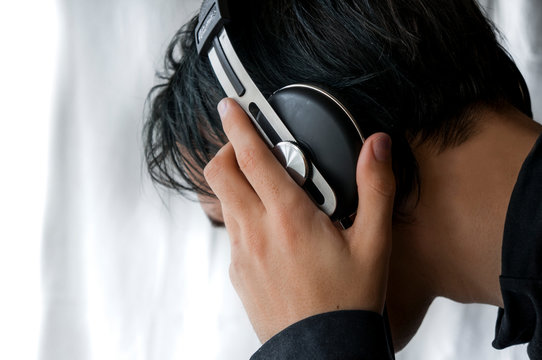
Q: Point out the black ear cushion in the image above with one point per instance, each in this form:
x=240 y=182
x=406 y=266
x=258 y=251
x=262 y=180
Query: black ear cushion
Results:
x=328 y=137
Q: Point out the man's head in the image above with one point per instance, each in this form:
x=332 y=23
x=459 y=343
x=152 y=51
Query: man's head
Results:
x=416 y=69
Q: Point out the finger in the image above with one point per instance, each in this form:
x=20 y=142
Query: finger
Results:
x=376 y=189
x=230 y=185
x=263 y=171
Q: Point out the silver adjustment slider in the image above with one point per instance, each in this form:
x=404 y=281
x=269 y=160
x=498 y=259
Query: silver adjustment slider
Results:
x=293 y=160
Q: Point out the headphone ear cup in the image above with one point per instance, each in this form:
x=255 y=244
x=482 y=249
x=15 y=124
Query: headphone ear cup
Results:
x=328 y=136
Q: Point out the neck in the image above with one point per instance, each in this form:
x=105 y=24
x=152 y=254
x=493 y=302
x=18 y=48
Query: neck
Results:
x=452 y=246
x=456 y=237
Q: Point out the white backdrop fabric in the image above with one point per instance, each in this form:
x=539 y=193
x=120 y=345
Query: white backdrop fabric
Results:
x=133 y=272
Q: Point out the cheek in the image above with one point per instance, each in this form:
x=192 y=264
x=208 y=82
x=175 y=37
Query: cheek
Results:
x=212 y=208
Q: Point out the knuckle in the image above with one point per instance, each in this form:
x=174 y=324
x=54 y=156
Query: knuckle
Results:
x=245 y=159
x=238 y=205
x=213 y=168
x=289 y=199
x=296 y=200
x=236 y=264
x=256 y=247
x=286 y=228
x=382 y=185
x=218 y=163
x=235 y=243
x=234 y=273
x=281 y=219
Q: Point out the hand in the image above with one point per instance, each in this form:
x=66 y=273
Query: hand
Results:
x=288 y=260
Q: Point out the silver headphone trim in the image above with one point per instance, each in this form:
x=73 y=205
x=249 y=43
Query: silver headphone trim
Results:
x=253 y=95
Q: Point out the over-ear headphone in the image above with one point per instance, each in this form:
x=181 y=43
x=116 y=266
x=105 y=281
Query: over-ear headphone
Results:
x=310 y=132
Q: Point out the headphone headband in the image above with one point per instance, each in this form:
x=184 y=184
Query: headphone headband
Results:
x=213 y=15
x=212 y=41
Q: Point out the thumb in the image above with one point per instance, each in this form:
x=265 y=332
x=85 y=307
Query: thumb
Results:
x=371 y=231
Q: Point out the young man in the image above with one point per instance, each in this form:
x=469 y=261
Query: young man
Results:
x=429 y=73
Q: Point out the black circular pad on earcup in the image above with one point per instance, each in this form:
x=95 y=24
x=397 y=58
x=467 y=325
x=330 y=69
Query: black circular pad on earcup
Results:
x=327 y=135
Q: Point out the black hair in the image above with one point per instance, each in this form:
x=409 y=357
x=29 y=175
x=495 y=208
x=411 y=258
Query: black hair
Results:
x=416 y=69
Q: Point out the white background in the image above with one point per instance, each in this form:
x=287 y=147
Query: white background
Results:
x=95 y=262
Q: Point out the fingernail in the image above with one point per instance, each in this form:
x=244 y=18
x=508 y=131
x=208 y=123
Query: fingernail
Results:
x=382 y=148
x=222 y=106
